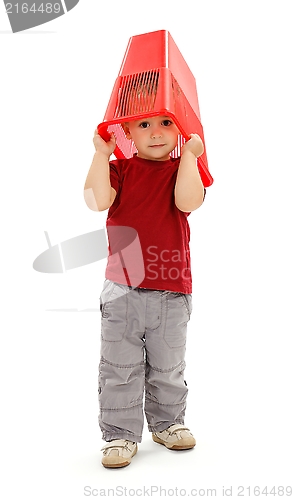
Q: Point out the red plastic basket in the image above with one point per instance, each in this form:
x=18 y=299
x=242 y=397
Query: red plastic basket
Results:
x=154 y=79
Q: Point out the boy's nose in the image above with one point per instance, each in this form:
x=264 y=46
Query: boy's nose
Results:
x=155 y=132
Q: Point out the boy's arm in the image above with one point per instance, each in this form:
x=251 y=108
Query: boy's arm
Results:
x=189 y=190
x=98 y=192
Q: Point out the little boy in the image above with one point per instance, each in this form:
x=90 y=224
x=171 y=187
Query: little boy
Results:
x=144 y=316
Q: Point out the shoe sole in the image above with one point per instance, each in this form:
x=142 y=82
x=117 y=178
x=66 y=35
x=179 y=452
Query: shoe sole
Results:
x=174 y=446
x=116 y=465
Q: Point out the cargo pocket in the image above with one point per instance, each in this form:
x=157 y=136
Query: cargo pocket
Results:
x=178 y=310
x=187 y=298
x=114 y=308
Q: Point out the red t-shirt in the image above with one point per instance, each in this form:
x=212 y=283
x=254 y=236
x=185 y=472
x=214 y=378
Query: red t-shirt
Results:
x=148 y=235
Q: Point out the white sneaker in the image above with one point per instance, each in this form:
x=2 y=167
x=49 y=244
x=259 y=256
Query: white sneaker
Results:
x=175 y=437
x=118 y=453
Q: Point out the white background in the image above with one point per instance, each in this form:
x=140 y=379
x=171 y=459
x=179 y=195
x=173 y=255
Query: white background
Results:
x=56 y=81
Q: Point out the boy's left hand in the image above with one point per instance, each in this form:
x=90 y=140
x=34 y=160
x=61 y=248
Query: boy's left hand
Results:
x=194 y=144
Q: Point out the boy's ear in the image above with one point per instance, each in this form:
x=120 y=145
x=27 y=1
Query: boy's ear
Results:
x=126 y=130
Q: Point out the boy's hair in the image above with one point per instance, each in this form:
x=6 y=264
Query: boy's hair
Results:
x=137 y=93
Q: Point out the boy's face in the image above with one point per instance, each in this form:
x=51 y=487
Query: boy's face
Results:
x=154 y=137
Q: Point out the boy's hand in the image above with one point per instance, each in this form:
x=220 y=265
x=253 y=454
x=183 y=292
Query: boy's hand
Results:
x=194 y=144
x=106 y=148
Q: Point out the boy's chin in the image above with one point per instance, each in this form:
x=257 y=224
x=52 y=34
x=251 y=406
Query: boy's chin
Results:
x=154 y=155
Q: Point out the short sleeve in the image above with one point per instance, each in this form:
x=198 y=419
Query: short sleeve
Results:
x=114 y=176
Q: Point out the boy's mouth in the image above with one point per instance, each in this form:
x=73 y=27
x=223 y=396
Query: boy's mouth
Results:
x=157 y=145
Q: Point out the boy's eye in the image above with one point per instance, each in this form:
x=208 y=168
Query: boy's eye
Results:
x=144 y=125
x=166 y=123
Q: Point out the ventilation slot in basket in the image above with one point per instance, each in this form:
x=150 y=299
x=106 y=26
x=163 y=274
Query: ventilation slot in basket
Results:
x=137 y=93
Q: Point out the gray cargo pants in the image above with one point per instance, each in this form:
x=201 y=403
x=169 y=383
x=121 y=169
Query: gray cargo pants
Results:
x=143 y=343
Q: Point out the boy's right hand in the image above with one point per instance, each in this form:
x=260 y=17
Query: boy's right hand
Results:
x=106 y=148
